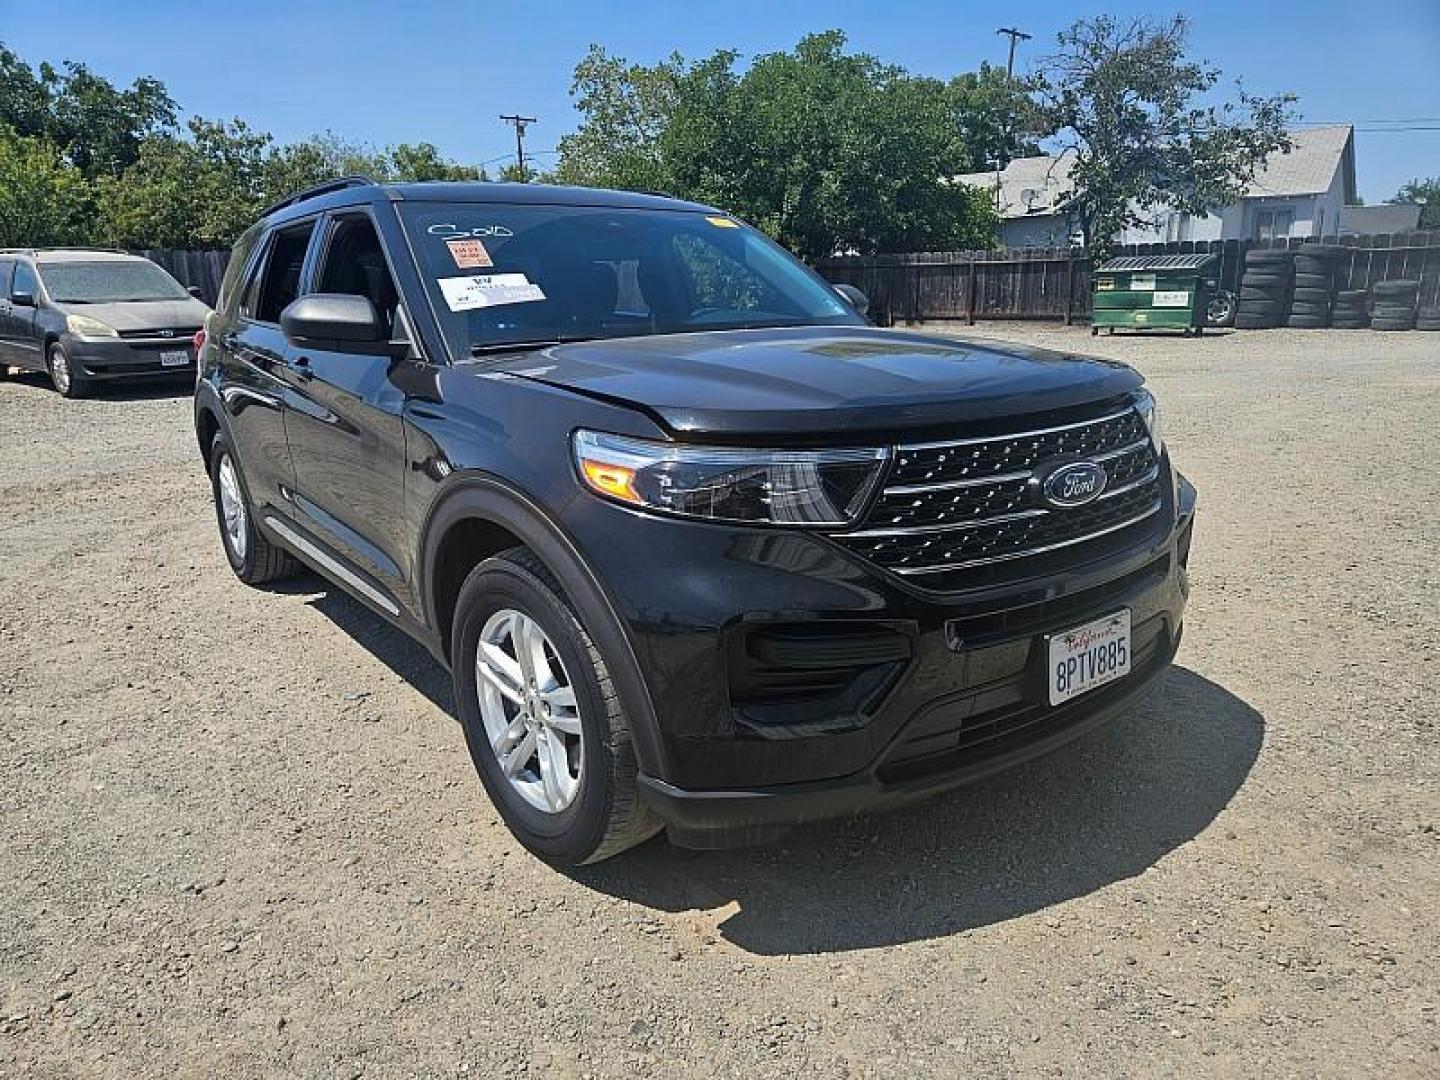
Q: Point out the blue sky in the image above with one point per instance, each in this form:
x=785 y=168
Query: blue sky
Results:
x=442 y=71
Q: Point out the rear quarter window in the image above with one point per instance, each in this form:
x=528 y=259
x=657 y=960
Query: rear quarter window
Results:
x=239 y=257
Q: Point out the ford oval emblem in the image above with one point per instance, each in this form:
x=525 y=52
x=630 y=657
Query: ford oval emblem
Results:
x=1074 y=484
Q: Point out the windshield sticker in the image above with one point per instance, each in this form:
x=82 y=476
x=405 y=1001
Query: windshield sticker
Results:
x=447 y=231
x=488 y=290
x=469 y=254
x=723 y=222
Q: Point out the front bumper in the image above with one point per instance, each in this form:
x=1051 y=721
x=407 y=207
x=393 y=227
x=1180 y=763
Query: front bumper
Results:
x=793 y=681
x=106 y=359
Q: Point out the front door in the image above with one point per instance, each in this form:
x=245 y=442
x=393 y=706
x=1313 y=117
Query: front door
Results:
x=21 y=343
x=345 y=427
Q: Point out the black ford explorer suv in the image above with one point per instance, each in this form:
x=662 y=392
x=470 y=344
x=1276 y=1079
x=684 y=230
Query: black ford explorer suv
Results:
x=89 y=317
x=702 y=549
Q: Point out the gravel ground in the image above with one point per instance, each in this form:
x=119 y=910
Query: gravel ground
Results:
x=242 y=836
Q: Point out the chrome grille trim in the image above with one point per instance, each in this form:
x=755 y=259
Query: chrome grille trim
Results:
x=910 y=571
x=1138 y=444
x=1139 y=481
x=1017 y=434
x=908 y=530
x=951 y=485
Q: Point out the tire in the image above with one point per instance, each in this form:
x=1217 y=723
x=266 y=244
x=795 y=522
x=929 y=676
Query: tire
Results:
x=1311 y=267
x=1394 y=311
x=1244 y=321
x=255 y=560
x=1269 y=309
x=1427 y=324
x=1261 y=280
x=1310 y=311
x=1307 y=322
x=1394 y=290
x=67 y=381
x=1357 y=297
x=1249 y=294
x=1350 y=324
x=1392 y=324
x=604 y=813
x=1221 y=309
x=1313 y=281
x=1321 y=251
x=1268 y=257
x=1312 y=296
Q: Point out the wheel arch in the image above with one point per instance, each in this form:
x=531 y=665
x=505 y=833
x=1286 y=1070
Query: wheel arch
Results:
x=479 y=516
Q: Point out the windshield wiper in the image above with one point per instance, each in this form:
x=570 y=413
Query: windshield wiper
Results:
x=491 y=347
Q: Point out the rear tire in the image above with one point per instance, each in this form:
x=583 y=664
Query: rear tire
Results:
x=67 y=381
x=605 y=815
x=255 y=560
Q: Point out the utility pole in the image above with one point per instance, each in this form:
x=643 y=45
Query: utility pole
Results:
x=1014 y=36
x=520 y=122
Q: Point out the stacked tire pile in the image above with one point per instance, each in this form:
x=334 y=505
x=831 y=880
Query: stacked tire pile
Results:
x=1266 y=289
x=1315 y=266
x=1349 y=312
x=1428 y=318
x=1394 y=305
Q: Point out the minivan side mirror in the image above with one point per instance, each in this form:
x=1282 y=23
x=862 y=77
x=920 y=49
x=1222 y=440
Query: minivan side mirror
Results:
x=337 y=320
x=194 y=290
x=855 y=298
x=22 y=299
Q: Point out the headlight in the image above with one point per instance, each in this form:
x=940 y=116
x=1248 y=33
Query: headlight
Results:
x=1149 y=410
x=769 y=487
x=88 y=327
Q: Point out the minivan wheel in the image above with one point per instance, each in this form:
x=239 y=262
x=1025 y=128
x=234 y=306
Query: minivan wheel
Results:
x=541 y=716
x=67 y=381
x=254 y=559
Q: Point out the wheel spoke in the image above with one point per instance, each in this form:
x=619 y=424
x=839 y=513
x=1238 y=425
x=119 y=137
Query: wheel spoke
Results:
x=501 y=671
x=519 y=756
x=554 y=769
x=511 y=736
x=530 y=649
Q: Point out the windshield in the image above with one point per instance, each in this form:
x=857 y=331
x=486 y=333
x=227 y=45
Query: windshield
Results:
x=109 y=282
x=504 y=274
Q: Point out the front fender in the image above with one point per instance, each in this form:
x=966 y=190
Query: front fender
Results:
x=476 y=495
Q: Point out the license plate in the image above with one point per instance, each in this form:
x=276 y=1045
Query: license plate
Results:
x=175 y=359
x=1089 y=656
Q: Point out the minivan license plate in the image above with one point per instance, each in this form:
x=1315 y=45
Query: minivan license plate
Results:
x=1089 y=656
x=175 y=359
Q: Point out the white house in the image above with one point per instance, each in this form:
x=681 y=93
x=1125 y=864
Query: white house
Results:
x=1299 y=193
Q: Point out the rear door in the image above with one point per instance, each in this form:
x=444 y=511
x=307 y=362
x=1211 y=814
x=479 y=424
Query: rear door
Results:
x=7 y=272
x=345 y=427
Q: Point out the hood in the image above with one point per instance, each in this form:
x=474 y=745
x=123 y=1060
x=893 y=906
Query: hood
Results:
x=147 y=315
x=822 y=380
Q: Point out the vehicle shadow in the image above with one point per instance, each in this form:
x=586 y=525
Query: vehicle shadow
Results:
x=149 y=390
x=1088 y=816
x=1091 y=815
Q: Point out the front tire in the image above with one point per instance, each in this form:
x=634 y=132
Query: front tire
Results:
x=255 y=560
x=67 y=381
x=541 y=716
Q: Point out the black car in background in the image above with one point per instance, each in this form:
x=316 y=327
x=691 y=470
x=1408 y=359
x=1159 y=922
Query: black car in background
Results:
x=87 y=317
x=701 y=548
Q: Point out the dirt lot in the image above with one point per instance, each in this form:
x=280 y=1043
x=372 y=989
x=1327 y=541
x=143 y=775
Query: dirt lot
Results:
x=242 y=836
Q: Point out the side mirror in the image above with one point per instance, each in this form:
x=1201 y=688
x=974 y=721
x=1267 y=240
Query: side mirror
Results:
x=336 y=319
x=855 y=298
x=22 y=299
x=194 y=290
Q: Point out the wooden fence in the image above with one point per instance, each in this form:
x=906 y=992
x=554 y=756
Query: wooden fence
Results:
x=1054 y=283
x=203 y=269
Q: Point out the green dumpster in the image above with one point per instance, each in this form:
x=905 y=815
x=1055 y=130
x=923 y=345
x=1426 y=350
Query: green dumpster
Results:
x=1145 y=291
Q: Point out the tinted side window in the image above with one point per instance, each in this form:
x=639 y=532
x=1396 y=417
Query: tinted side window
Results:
x=7 y=269
x=25 y=280
x=239 y=256
x=280 y=281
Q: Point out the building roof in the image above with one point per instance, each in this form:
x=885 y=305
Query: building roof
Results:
x=1384 y=218
x=1033 y=186
x=1029 y=187
x=1309 y=167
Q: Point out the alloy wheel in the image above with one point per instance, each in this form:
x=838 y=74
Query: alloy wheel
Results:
x=232 y=507
x=528 y=706
x=60 y=369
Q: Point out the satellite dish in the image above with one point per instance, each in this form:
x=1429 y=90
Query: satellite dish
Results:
x=1030 y=197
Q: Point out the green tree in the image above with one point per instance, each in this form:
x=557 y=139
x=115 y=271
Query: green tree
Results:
x=44 y=200
x=997 y=118
x=826 y=150
x=1125 y=101
x=1427 y=194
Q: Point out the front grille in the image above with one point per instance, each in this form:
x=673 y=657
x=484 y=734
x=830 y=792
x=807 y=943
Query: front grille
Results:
x=952 y=507
x=181 y=335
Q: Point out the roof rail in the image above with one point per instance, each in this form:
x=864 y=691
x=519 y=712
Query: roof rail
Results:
x=38 y=250
x=338 y=184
